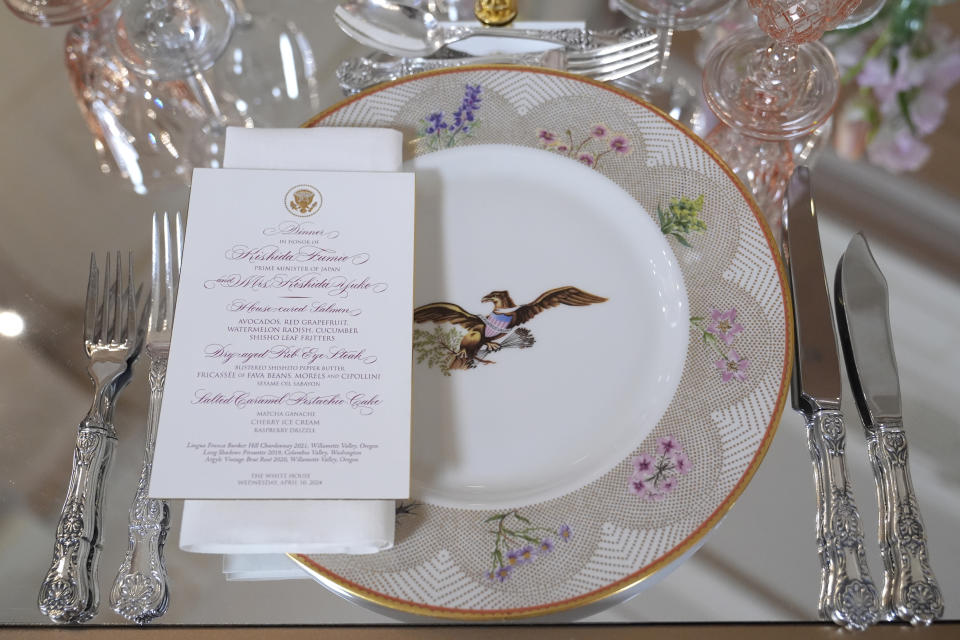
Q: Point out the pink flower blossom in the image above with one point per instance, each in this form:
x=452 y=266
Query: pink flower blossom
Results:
x=643 y=463
x=668 y=446
x=886 y=84
x=927 y=111
x=598 y=131
x=562 y=148
x=944 y=68
x=586 y=158
x=733 y=367
x=897 y=150
x=638 y=486
x=620 y=144
x=668 y=485
x=547 y=136
x=681 y=463
x=724 y=326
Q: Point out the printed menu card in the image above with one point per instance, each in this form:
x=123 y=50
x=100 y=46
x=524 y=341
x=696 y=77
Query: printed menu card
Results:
x=290 y=365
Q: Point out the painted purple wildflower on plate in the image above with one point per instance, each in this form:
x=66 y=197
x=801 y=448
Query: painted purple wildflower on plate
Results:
x=719 y=333
x=654 y=478
x=519 y=542
x=598 y=142
x=438 y=134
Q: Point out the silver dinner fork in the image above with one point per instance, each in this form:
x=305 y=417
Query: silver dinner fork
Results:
x=141 y=592
x=603 y=63
x=112 y=334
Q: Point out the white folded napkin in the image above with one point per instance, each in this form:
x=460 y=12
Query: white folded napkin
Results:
x=263 y=530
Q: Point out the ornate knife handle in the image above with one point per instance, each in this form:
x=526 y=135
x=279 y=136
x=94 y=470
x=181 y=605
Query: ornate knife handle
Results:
x=910 y=590
x=69 y=592
x=847 y=593
x=141 y=592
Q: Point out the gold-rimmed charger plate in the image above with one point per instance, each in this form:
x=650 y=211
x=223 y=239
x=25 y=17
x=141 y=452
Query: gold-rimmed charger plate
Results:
x=658 y=502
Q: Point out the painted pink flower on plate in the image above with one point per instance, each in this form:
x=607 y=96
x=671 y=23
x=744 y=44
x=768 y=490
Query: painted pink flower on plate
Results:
x=638 y=486
x=620 y=144
x=598 y=131
x=681 y=463
x=733 y=367
x=724 y=325
x=668 y=446
x=547 y=136
x=644 y=463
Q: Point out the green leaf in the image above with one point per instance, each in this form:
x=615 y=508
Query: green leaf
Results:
x=496 y=517
x=521 y=518
x=682 y=240
x=695 y=319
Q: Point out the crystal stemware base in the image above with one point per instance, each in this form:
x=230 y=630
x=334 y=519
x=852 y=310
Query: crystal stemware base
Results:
x=770 y=90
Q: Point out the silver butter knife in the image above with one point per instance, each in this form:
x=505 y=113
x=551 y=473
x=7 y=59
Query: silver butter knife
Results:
x=847 y=593
x=910 y=590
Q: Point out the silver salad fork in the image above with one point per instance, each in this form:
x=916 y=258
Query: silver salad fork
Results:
x=112 y=335
x=141 y=592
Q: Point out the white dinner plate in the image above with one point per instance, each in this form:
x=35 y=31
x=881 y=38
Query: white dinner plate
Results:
x=525 y=425
x=602 y=345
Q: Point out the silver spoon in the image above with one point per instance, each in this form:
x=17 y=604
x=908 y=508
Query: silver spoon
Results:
x=408 y=31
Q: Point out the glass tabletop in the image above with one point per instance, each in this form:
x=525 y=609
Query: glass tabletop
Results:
x=758 y=565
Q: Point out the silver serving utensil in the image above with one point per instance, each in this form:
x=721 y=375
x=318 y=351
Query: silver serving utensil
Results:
x=847 y=593
x=141 y=591
x=910 y=589
x=113 y=336
x=404 y=30
x=356 y=74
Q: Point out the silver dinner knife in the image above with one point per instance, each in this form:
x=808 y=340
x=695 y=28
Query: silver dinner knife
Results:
x=910 y=590
x=847 y=593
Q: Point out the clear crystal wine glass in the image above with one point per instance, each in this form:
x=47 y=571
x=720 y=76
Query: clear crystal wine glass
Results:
x=55 y=12
x=175 y=40
x=663 y=85
x=267 y=75
x=142 y=129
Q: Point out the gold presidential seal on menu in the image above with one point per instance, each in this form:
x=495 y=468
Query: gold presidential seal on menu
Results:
x=303 y=200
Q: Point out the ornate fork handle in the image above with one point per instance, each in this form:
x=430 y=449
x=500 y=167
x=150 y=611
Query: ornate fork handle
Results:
x=847 y=593
x=356 y=74
x=141 y=592
x=69 y=592
x=571 y=38
x=910 y=589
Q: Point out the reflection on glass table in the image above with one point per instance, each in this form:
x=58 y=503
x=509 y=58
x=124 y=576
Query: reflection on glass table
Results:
x=756 y=566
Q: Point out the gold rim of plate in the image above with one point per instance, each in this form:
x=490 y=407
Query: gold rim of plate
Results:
x=339 y=583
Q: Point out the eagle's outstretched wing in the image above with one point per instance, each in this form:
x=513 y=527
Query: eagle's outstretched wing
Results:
x=448 y=312
x=561 y=295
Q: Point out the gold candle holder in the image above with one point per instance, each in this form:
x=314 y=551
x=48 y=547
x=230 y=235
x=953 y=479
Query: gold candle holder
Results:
x=495 y=13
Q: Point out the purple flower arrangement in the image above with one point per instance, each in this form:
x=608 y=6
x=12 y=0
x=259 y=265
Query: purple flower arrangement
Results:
x=440 y=134
x=519 y=542
x=598 y=142
x=903 y=64
x=719 y=332
x=656 y=477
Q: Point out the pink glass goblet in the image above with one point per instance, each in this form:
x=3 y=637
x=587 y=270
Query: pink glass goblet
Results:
x=771 y=87
x=781 y=82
